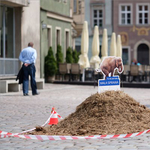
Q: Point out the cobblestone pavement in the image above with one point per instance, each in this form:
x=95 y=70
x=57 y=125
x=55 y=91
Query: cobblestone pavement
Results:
x=18 y=113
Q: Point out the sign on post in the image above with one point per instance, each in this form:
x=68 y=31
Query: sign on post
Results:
x=108 y=67
x=111 y=83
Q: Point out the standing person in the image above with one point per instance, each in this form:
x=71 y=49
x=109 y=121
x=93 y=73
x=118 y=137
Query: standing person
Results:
x=134 y=62
x=28 y=57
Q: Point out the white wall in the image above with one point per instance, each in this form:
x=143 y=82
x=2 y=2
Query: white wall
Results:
x=31 y=29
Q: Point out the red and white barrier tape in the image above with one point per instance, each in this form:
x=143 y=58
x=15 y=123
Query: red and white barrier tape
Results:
x=4 y=134
x=35 y=128
x=47 y=137
x=12 y=134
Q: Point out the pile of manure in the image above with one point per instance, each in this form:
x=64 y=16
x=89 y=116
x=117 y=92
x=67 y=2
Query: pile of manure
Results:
x=111 y=112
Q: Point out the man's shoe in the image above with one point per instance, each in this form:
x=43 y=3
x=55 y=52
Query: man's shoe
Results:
x=36 y=93
x=26 y=94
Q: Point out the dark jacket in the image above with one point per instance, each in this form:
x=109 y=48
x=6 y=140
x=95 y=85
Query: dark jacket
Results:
x=20 y=76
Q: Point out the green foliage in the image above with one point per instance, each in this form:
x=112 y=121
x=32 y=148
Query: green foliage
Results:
x=59 y=55
x=75 y=56
x=79 y=53
x=69 y=58
x=50 y=64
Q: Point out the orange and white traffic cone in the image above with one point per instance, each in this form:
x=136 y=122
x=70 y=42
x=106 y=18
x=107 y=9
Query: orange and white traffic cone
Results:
x=54 y=117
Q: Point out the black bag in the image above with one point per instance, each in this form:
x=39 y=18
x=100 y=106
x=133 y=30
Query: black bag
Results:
x=20 y=76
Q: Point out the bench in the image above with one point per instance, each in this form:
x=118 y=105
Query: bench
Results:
x=9 y=86
x=13 y=86
x=39 y=83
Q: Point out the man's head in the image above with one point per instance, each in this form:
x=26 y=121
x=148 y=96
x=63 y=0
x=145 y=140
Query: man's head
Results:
x=30 y=44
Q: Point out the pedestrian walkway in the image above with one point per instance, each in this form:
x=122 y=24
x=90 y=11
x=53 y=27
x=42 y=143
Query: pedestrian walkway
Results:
x=18 y=113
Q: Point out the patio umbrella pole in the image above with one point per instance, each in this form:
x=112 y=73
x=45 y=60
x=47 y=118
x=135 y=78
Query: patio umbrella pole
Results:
x=83 y=75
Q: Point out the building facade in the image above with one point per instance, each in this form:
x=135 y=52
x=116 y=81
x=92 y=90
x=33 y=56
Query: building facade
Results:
x=19 y=25
x=131 y=19
x=77 y=7
x=45 y=23
x=56 y=27
x=97 y=13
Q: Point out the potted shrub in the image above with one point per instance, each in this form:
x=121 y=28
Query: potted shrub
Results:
x=75 y=56
x=59 y=56
x=69 y=58
x=50 y=66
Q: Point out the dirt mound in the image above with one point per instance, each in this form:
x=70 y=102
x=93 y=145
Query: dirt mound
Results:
x=111 y=112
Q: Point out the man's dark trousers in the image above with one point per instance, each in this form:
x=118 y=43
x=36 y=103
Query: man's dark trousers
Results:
x=29 y=71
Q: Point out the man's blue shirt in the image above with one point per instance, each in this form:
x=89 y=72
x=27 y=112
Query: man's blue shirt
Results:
x=28 y=55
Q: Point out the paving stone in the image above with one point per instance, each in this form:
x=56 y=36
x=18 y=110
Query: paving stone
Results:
x=128 y=148
x=73 y=148
x=106 y=147
x=19 y=113
x=143 y=147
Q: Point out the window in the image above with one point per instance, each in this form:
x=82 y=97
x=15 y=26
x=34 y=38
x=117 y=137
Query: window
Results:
x=125 y=56
x=67 y=39
x=79 y=7
x=143 y=14
x=57 y=37
x=9 y=64
x=74 y=6
x=49 y=37
x=65 y=1
x=98 y=17
x=78 y=48
x=1 y=31
x=125 y=14
x=58 y=0
x=7 y=29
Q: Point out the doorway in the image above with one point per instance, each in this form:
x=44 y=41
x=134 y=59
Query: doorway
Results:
x=143 y=54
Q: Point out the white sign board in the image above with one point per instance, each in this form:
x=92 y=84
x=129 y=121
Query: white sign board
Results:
x=108 y=67
x=111 y=83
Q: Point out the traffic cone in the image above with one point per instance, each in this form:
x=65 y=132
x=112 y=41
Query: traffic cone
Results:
x=54 y=117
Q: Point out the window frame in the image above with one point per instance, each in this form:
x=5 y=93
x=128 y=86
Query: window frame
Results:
x=49 y=27
x=129 y=54
x=98 y=18
x=131 y=13
x=59 y=1
x=65 y=48
x=137 y=13
x=57 y=28
x=65 y=1
x=67 y=31
x=74 y=6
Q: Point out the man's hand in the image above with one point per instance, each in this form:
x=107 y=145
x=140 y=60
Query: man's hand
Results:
x=26 y=64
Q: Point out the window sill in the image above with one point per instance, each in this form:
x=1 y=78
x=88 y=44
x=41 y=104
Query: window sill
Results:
x=141 y=25
x=125 y=25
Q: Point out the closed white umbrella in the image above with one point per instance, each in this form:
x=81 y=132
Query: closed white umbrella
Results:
x=119 y=46
x=104 y=45
x=95 y=49
x=83 y=58
x=113 y=47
